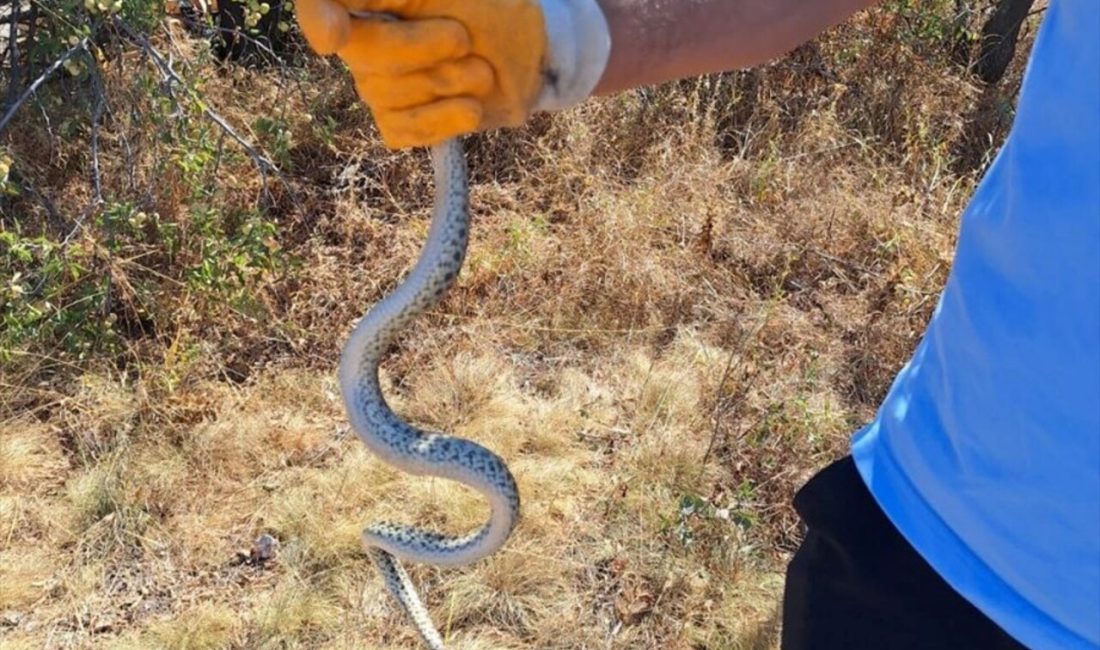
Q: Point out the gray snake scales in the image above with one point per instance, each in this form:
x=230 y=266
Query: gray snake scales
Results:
x=405 y=446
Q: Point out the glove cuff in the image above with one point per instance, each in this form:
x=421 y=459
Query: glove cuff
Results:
x=578 y=46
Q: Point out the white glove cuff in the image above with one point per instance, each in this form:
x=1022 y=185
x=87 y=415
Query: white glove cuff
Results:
x=578 y=44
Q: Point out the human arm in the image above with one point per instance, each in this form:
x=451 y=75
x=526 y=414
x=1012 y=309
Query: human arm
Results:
x=450 y=67
x=660 y=40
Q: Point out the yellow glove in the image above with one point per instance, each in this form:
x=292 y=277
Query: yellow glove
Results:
x=449 y=67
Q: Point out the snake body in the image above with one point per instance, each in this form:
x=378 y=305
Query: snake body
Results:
x=404 y=446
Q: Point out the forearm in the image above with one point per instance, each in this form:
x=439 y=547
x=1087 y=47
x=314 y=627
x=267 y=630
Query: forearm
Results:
x=659 y=40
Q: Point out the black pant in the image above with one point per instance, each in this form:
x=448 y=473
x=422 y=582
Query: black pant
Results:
x=855 y=583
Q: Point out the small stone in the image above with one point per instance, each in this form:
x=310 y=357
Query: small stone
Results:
x=102 y=625
x=263 y=549
x=10 y=618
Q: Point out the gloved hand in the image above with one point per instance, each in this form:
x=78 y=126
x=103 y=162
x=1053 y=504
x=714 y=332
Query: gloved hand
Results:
x=450 y=67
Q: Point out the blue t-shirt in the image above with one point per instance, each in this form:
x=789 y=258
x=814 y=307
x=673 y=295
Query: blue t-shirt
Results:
x=986 y=452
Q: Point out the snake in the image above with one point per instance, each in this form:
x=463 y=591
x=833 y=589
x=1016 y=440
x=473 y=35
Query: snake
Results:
x=404 y=446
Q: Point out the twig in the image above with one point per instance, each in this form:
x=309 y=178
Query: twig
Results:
x=13 y=48
x=207 y=29
x=82 y=45
x=51 y=209
x=124 y=138
x=217 y=159
x=97 y=116
x=853 y=266
x=723 y=405
x=263 y=47
x=719 y=408
x=817 y=152
x=97 y=180
x=52 y=139
x=32 y=32
x=79 y=223
x=171 y=77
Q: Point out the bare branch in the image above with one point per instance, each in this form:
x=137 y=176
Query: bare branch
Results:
x=192 y=23
x=172 y=77
x=72 y=51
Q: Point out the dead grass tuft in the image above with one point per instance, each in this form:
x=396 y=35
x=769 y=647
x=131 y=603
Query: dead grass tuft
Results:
x=24 y=575
x=31 y=458
x=204 y=627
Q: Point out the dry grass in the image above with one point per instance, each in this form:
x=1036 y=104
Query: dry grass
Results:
x=678 y=303
x=147 y=552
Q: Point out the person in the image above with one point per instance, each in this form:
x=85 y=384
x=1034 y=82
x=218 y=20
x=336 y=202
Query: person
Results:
x=968 y=512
